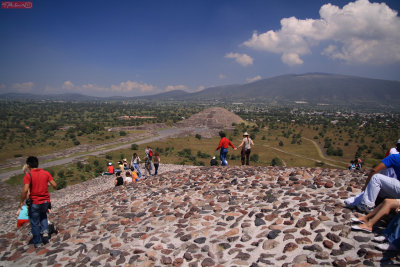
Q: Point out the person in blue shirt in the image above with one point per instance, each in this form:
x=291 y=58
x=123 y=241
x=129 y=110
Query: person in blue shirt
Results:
x=380 y=185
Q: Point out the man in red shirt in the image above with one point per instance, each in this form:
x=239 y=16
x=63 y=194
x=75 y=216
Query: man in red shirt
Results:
x=37 y=191
x=224 y=143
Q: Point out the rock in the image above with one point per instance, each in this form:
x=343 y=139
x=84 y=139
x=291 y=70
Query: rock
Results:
x=273 y=234
x=290 y=247
x=314 y=247
x=339 y=263
x=242 y=256
x=323 y=255
x=166 y=260
x=270 y=244
x=200 y=240
x=328 y=244
x=345 y=246
x=301 y=223
x=259 y=221
x=335 y=238
x=207 y=262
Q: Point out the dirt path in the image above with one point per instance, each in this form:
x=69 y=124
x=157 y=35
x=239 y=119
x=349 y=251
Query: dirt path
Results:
x=321 y=151
x=170 y=132
x=304 y=157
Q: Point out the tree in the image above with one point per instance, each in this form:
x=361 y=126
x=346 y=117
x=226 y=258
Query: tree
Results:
x=276 y=162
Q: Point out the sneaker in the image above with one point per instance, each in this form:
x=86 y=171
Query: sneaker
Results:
x=380 y=238
x=386 y=247
x=38 y=245
x=348 y=203
x=364 y=208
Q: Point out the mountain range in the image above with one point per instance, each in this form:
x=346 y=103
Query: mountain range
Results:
x=313 y=88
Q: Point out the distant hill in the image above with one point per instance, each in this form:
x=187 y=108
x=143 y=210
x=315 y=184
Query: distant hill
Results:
x=313 y=88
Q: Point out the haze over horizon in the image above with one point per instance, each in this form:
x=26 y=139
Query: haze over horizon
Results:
x=133 y=48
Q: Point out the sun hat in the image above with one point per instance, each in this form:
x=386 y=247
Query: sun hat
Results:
x=109 y=164
x=246 y=134
x=214 y=157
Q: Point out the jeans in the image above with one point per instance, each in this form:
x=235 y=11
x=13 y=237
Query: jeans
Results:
x=156 y=168
x=38 y=219
x=222 y=156
x=136 y=166
x=246 y=156
x=382 y=186
x=392 y=231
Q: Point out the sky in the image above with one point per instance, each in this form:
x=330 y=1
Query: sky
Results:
x=132 y=48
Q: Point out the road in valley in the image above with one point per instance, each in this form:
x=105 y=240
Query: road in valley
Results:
x=161 y=134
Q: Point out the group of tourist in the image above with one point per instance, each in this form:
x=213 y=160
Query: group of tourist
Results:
x=382 y=182
x=133 y=169
x=223 y=145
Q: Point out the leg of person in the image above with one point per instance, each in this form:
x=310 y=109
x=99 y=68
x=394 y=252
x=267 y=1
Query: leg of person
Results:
x=392 y=231
x=243 y=158
x=155 y=169
x=248 y=151
x=44 y=222
x=379 y=185
x=221 y=157
x=136 y=166
x=225 y=151
x=34 y=218
x=381 y=210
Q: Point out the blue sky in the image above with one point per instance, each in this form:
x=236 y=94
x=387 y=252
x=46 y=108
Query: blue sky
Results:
x=144 y=47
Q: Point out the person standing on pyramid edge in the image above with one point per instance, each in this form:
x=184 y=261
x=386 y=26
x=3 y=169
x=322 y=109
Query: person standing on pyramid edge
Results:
x=224 y=143
x=247 y=142
x=36 y=181
x=149 y=155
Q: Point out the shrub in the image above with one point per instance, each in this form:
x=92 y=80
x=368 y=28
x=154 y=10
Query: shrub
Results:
x=198 y=136
x=77 y=143
x=122 y=133
x=108 y=156
x=203 y=155
x=134 y=147
x=61 y=183
x=79 y=165
x=280 y=143
x=61 y=174
x=276 y=162
x=17 y=155
x=254 y=158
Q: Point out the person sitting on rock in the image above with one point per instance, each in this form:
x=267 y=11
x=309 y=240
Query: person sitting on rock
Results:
x=135 y=176
x=120 y=166
x=213 y=162
x=126 y=164
x=368 y=221
x=110 y=169
x=128 y=178
x=119 y=180
x=378 y=184
x=394 y=150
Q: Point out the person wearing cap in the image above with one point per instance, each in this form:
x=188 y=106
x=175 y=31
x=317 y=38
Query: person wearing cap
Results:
x=126 y=165
x=110 y=169
x=213 y=162
x=224 y=143
x=246 y=150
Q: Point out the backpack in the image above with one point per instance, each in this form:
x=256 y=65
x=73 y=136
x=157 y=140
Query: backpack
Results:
x=150 y=153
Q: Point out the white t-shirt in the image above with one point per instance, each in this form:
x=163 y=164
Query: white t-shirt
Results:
x=128 y=179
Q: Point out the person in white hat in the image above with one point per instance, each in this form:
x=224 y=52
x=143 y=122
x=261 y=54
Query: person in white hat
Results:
x=213 y=161
x=246 y=150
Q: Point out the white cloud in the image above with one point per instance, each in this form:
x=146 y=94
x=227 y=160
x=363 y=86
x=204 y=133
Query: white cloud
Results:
x=200 y=88
x=68 y=85
x=129 y=87
x=221 y=76
x=175 y=87
x=254 y=79
x=360 y=32
x=242 y=59
x=23 y=87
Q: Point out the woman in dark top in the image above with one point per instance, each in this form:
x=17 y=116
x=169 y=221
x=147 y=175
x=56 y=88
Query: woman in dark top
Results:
x=119 y=180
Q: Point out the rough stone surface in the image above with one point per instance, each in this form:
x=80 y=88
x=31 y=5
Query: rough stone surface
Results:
x=202 y=216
